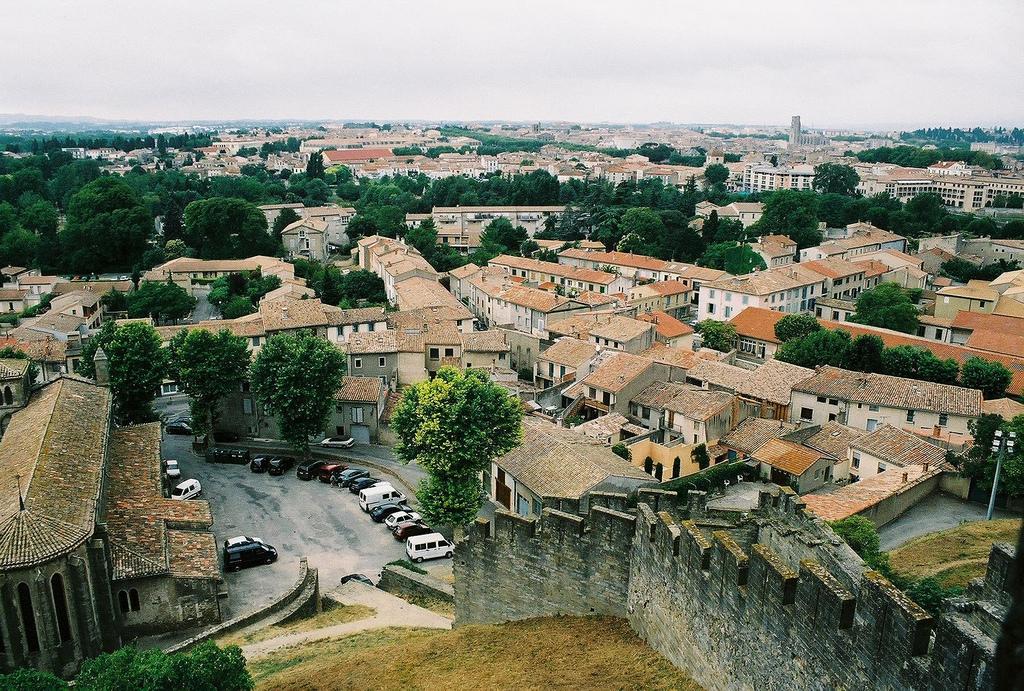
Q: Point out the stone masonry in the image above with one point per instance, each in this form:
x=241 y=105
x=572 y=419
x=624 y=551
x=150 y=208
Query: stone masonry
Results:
x=770 y=599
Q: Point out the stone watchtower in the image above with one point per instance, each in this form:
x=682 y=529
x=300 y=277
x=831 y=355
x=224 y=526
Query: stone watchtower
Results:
x=794 y=132
x=102 y=366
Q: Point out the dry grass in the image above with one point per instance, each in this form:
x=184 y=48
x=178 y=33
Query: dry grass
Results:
x=552 y=653
x=957 y=555
x=333 y=613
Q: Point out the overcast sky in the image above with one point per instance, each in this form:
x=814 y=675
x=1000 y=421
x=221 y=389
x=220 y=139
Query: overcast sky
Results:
x=835 y=62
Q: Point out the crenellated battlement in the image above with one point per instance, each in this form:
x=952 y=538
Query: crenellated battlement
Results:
x=770 y=598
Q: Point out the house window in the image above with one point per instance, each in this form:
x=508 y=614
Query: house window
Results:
x=434 y=353
x=133 y=599
x=943 y=419
x=806 y=414
x=449 y=352
x=856 y=459
x=910 y=416
x=357 y=414
x=873 y=408
x=382 y=362
x=833 y=401
x=821 y=399
x=357 y=363
x=247 y=406
x=872 y=424
x=122 y=601
x=60 y=608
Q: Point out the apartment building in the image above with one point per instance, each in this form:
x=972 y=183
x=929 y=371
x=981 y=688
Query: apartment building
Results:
x=866 y=401
x=860 y=239
x=672 y=297
x=605 y=330
x=843 y=280
x=560 y=362
x=968 y=192
x=306 y=239
x=393 y=261
x=775 y=250
x=571 y=279
x=976 y=296
x=766 y=178
x=471 y=221
x=789 y=289
x=612 y=385
x=747 y=213
x=186 y=271
x=889 y=448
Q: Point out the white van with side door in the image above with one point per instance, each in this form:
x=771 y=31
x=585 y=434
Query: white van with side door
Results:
x=429 y=546
x=189 y=489
x=378 y=494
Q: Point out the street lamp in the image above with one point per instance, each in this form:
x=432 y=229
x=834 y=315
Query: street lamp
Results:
x=1001 y=445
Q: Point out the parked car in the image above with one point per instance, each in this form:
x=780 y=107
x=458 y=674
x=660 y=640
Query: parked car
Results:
x=324 y=474
x=412 y=530
x=356 y=577
x=241 y=540
x=404 y=524
x=350 y=475
x=225 y=436
x=307 y=470
x=189 y=489
x=222 y=454
x=382 y=511
x=279 y=465
x=362 y=483
x=429 y=546
x=260 y=464
x=398 y=516
x=246 y=554
x=171 y=468
x=178 y=427
x=338 y=442
x=378 y=494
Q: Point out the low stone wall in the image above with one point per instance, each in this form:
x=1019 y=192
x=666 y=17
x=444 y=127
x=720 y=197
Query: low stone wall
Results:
x=400 y=580
x=306 y=586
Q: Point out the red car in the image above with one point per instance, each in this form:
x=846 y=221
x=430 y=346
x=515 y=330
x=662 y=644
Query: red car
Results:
x=408 y=530
x=325 y=471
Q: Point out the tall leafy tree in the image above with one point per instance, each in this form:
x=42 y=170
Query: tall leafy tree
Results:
x=720 y=336
x=822 y=347
x=991 y=377
x=865 y=354
x=208 y=366
x=315 y=166
x=137 y=363
x=835 y=178
x=795 y=326
x=163 y=301
x=295 y=376
x=226 y=228
x=106 y=229
x=886 y=305
x=284 y=218
x=454 y=425
x=791 y=213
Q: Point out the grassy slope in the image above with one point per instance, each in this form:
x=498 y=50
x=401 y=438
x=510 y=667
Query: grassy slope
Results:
x=957 y=555
x=557 y=653
x=333 y=613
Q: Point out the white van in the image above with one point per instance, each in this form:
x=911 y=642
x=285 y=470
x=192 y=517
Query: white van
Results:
x=429 y=546
x=378 y=494
x=189 y=489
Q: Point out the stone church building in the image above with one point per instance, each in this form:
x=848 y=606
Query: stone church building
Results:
x=92 y=554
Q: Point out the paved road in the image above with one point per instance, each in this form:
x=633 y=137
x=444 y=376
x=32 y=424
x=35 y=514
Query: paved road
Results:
x=299 y=518
x=936 y=512
x=391 y=611
x=203 y=309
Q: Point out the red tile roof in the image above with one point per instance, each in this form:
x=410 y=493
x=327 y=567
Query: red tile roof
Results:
x=344 y=155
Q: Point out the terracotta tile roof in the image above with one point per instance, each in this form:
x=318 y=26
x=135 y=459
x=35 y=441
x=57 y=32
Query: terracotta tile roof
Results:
x=13 y=368
x=893 y=392
x=997 y=342
x=719 y=374
x=575 y=273
x=360 y=389
x=660 y=393
x=980 y=321
x=150 y=534
x=373 y=342
x=56 y=445
x=390 y=404
x=418 y=292
x=492 y=341
x=859 y=496
x=618 y=328
x=773 y=381
x=357 y=315
x=699 y=404
x=786 y=456
x=569 y=351
x=666 y=325
x=617 y=371
x=12 y=294
x=637 y=261
x=901 y=448
x=832 y=268
x=1007 y=408
x=351 y=155
x=289 y=313
x=753 y=432
x=535 y=299
x=683 y=358
x=556 y=462
x=833 y=438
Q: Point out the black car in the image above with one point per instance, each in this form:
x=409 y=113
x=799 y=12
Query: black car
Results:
x=307 y=470
x=362 y=483
x=382 y=511
x=225 y=436
x=221 y=454
x=178 y=427
x=280 y=464
x=348 y=476
x=260 y=464
x=246 y=554
x=356 y=577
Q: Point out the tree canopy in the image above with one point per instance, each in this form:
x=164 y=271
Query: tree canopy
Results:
x=224 y=228
x=163 y=301
x=137 y=363
x=106 y=229
x=887 y=305
x=835 y=178
x=208 y=366
x=720 y=336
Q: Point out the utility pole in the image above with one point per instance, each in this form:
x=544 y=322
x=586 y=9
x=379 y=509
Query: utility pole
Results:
x=1000 y=446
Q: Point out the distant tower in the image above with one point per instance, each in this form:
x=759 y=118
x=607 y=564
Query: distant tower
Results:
x=794 y=132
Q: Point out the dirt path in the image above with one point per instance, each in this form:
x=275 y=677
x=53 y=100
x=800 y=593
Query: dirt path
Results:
x=391 y=611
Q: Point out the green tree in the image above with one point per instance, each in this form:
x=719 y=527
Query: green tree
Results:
x=173 y=249
x=85 y=366
x=918 y=363
x=742 y=259
x=315 y=166
x=163 y=301
x=362 y=286
x=208 y=366
x=716 y=174
x=453 y=426
x=622 y=451
x=423 y=237
x=226 y=228
x=720 y=336
x=501 y=237
x=237 y=306
x=31 y=680
x=992 y=378
x=137 y=364
x=106 y=228
x=835 y=178
x=865 y=354
x=979 y=463
x=822 y=347
x=859 y=533
x=295 y=376
x=285 y=218
x=205 y=667
x=886 y=305
x=792 y=213
x=795 y=326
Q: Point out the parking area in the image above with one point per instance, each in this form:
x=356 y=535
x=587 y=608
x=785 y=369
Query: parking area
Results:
x=935 y=512
x=299 y=518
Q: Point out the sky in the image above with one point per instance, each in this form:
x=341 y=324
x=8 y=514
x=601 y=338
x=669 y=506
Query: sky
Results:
x=837 y=63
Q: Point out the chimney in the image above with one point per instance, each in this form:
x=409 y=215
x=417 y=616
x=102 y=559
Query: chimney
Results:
x=926 y=467
x=904 y=476
x=102 y=367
